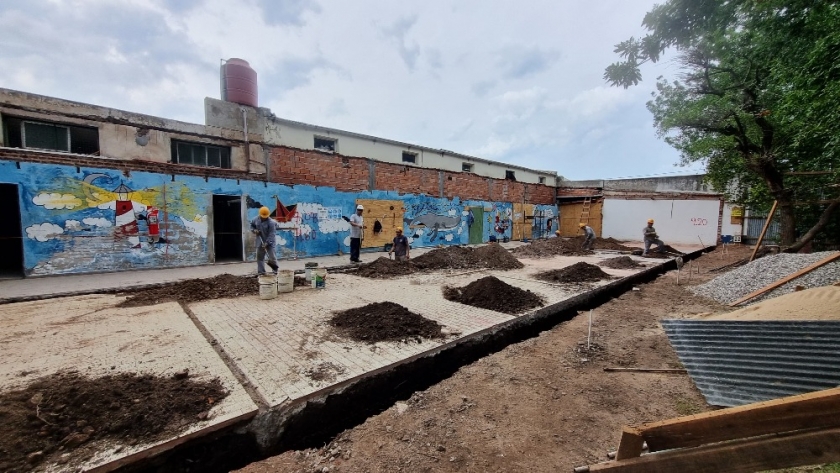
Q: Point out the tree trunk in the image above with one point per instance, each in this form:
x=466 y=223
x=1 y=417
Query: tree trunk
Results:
x=764 y=166
x=821 y=223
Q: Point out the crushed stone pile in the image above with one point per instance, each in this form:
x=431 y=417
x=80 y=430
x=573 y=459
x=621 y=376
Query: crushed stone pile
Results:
x=576 y=273
x=64 y=412
x=551 y=247
x=193 y=290
x=384 y=321
x=819 y=303
x=493 y=294
x=741 y=281
x=492 y=256
x=621 y=262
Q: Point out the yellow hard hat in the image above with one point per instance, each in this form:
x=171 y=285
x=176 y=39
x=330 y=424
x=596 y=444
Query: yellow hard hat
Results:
x=581 y=225
x=264 y=212
x=557 y=232
x=398 y=230
x=650 y=220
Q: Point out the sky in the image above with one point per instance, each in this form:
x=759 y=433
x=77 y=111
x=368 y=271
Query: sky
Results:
x=517 y=82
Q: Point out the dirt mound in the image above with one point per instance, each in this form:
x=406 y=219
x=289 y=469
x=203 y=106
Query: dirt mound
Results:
x=384 y=321
x=578 y=272
x=622 y=262
x=551 y=247
x=494 y=256
x=61 y=413
x=384 y=268
x=193 y=290
x=493 y=294
x=603 y=244
x=653 y=253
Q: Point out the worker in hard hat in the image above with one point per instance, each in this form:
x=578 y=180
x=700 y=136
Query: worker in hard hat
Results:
x=265 y=228
x=588 y=236
x=651 y=237
x=400 y=248
x=556 y=234
x=357 y=224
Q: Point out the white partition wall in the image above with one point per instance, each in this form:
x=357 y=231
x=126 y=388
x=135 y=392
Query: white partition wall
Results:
x=686 y=222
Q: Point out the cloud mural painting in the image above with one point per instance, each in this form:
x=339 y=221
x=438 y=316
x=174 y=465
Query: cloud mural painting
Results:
x=44 y=231
x=56 y=201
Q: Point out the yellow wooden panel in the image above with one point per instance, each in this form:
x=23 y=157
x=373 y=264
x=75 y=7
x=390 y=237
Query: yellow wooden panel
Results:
x=570 y=217
x=522 y=226
x=389 y=213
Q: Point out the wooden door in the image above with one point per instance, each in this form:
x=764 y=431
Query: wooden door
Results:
x=522 y=224
x=389 y=214
x=570 y=218
x=477 y=228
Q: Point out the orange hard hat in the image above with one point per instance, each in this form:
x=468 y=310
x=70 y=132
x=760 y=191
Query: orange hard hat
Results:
x=264 y=212
x=650 y=220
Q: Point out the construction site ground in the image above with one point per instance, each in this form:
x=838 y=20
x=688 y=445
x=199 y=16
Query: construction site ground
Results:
x=543 y=405
x=539 y=405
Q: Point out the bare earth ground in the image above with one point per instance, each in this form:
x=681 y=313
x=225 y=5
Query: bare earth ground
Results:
x=541 y=405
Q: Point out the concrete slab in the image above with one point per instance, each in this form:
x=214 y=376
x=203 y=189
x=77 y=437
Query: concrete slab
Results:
x=89 y=335
x=285 y=346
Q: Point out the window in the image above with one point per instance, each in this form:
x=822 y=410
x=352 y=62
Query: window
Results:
x=542 y=180
x=466 y=167
x=198 y=154
x=325 y=144
x=510 y=175
x=20 y=133
x=409 y=157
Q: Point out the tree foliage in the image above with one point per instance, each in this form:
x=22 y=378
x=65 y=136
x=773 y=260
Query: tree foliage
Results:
x=758 y=98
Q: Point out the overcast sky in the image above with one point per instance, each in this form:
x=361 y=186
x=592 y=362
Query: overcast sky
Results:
x=515 y=81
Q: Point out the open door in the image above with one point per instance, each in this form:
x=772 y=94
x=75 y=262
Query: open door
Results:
x=477 y=226
x=11 y=236
x=227 y=227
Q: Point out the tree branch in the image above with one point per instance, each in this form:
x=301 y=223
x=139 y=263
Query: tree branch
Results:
x=821 y=223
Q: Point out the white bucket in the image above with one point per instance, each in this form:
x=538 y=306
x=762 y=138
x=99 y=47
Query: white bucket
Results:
x=285 y=281
x=319 y=278
x=310 y=267
x=268 y=286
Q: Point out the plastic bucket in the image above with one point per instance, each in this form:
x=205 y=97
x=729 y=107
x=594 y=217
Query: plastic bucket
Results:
x=309 y=268
x=268 y=286
x=285 y=281
x=319 y=278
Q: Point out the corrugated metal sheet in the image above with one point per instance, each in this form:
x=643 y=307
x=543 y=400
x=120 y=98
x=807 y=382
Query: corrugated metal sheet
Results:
x=755 y=224
x=739 y=362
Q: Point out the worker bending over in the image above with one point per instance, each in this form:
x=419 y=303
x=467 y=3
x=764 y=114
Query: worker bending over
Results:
x=265 y=228
x=589 y=236
x=400 y=247
x=651 y=237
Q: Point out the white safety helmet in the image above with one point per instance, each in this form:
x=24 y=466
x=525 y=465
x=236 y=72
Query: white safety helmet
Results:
x=360 y=207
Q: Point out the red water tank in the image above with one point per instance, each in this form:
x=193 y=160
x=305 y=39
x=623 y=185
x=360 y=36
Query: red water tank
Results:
x=239 y=82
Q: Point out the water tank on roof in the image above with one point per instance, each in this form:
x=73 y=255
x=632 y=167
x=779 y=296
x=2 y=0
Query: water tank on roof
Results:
x=239 y=82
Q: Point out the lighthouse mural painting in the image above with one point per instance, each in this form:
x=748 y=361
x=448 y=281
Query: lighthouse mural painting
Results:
x=125 y=221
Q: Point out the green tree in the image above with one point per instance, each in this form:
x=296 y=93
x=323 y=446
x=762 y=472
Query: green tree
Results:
x=758 y=98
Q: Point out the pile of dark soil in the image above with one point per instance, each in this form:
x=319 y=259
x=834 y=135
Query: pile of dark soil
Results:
x=494 y=256
x=578 y=272
x=493 y=294
x=384 y=268
x=61 y=413
x=654 y=254
x=193 y=290
x=606 y=244
x=551 y=247
x=622 y=262
x=384 y=321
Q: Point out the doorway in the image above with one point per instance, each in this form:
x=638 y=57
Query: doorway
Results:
x=477 y=226
x=227 y=227
x=11 y=236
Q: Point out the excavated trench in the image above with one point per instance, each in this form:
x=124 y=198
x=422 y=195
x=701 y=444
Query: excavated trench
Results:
x=315 y=420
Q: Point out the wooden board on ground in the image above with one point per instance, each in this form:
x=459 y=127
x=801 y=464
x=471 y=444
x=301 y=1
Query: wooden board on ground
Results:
x=389 y=213
x=570 y=218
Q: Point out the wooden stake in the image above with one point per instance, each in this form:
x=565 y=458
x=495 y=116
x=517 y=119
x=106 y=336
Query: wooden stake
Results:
x=764 y=230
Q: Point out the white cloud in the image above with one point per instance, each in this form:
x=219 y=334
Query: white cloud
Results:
x=196 y=226
x=72 y=225
x=97 y=222
x=44 y=231
x=347 y=241
x=449 y=237
x=53 y=201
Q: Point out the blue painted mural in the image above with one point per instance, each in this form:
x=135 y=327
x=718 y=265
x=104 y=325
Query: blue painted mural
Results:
x=86 y=220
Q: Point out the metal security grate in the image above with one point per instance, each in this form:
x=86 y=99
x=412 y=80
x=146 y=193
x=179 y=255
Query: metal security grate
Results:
x=738 y=362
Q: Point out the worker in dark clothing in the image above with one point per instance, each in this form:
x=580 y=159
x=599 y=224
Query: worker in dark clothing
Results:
x=400 y=247
x=651 y=238
x=589 y=236
x=265 y=228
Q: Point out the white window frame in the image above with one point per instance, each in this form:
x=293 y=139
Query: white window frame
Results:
x=325 y=138
x=541 y=180
x=467 y=167
x=23 y=135
x=404 y=153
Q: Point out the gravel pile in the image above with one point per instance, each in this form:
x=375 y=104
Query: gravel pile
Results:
x=741 y=281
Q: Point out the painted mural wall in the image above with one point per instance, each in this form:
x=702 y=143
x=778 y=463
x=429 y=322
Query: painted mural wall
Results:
x=79 y=220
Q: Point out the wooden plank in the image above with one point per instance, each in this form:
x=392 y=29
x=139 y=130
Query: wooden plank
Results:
x=770 y=287
x=570 y=218
x=631 y=444
x=819 y=409
x=389 y=213
x=764 y=230
x=758 y=454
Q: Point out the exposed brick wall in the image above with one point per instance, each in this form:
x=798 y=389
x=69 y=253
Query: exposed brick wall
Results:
x=466 y=185
x=294 y=166
x=407 y=179
x=577 y=191
x=122 y=165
